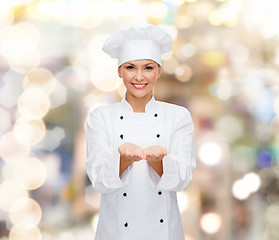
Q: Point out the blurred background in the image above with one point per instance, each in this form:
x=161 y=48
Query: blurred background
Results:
x=223 y=68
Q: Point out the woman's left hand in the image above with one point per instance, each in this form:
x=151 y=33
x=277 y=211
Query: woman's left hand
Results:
x=155 y=153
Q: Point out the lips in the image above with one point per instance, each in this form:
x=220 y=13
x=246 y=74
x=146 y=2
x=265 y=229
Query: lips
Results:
x=139 y=86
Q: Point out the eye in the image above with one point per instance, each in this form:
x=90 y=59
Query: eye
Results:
x=149 y=68
x=129 y=67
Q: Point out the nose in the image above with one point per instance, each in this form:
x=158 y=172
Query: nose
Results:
x=139 y=75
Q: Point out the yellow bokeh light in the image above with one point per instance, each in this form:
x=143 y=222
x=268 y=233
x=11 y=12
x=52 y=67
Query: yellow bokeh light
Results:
x=176 y=2
x=11 y=150
x=18 y=233
x=118 y=8
x=215 y=18
x=21 y=2
x=183 y=21
x=42 y=78
x=33 y=103
x=157 y=10
x=210 y=223
x=25 y=213
x=10 y=191
x=226 y=14
x=29 y=132
x=41 y=10
x=214 y=58
x=31 y=173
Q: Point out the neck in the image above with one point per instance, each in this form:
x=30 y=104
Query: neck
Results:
x=138 y=104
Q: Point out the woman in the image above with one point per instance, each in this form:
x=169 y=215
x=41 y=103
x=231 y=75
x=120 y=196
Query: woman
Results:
x=139 y=151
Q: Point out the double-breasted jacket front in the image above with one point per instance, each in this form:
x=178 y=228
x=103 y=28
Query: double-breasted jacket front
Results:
x=139 y=205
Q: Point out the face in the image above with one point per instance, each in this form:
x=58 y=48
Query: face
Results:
x=139 y=77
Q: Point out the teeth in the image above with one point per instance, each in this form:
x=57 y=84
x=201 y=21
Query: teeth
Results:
x=139 y=86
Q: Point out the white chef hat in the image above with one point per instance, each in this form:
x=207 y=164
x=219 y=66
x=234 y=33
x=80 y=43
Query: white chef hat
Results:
x=139 y=41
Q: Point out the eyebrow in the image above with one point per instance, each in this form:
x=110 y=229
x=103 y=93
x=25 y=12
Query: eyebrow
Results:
x=150 y=63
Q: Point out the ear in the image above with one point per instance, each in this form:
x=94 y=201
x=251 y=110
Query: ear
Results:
x=119 y=72
x=159 y=72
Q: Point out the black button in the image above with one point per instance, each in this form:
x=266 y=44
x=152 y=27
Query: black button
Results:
x=161 y=220
x=160 y=193
x=155 y=115
x=121 y=117
x=126 y=224
x=121 y=136
x=124 y=194
x=158 y=135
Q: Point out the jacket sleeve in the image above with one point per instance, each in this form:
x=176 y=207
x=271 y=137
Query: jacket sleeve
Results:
x=102 y=164
x=179 y=163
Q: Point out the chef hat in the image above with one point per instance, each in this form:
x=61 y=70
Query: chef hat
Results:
x=139 y=41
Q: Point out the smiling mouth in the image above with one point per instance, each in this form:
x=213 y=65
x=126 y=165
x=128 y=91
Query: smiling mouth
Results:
x=139 y=86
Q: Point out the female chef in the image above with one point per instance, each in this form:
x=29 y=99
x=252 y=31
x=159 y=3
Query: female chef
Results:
x=140 y=151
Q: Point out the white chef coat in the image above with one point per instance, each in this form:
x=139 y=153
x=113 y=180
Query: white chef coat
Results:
x=139 y=205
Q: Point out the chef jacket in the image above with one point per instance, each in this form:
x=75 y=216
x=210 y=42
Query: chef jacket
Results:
x=139 y=205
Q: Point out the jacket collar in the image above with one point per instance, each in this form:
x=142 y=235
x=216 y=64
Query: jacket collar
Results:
x=149 y=108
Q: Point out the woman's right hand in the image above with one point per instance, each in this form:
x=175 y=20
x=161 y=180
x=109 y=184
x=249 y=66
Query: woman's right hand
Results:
x=131 y=152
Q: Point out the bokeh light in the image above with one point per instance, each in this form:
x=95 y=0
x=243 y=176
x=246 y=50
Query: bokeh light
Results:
x=25 y=213
x=210 y=222
x=265 y=159
x=157 y=10
x=183 y=201
x=10 y=191
x=33 y=103
x=29 y=132
x=52 y=139
x=5 y=120
x=214 y=58
x=19 y=47
x=105 y=76
x=210 y=153
x=230 y=126
x=40 y=78
x=18 y=233
x=11 y=150
x=242 y=188
x=6 y=15
x=41 y=10
x=31 y=173
x=272 y=214
x=183 y=73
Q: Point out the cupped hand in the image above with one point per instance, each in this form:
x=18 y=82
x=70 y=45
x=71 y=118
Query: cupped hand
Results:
x=131 y=152
x=155 y=153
